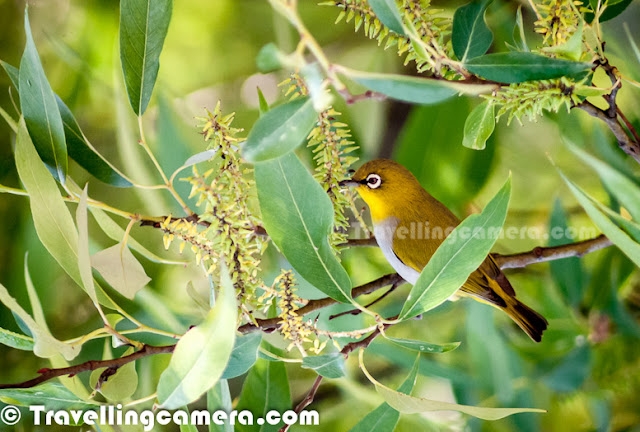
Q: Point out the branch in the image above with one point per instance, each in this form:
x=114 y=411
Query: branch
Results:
x=313 y=305
x=542 y=254
x=628 y=145
x=47 y=374
x=365 y=242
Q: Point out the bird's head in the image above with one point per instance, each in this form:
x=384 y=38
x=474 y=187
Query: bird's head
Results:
x=384 y=185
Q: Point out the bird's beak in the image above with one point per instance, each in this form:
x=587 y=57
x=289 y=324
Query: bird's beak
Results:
x=349 y=183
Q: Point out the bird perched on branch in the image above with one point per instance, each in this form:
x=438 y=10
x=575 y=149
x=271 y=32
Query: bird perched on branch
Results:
x=410 y=224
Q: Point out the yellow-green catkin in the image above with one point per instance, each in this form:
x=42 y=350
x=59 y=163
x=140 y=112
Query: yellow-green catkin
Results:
x=433 y=29
x=332 y=148
x=558 y=20
x=292 y=326
x=226 y=230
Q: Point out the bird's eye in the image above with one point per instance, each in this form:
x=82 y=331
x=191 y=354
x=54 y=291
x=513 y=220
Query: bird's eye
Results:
x=374 y=181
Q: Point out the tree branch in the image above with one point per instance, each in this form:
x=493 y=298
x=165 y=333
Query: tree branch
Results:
x=551 y=253
x=314 y=305
x=628 y=145
x=47 y=374
x=519 y=260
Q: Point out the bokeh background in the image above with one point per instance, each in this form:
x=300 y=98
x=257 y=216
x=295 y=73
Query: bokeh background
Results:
x=586 y=372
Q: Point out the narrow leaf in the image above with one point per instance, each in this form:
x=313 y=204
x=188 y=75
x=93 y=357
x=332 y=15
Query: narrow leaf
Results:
x=412 y=405
x=51 y=394
x=479 y=126
x=470 y=35
x=202 y=354
x=45 y=345
x=143 y=27
x=219 y=398
x=280 y=130
x=624 y=189
x=298 y=216
x=243 y=356
x=516 y=67
x=327 y=365
x=40 y=109
x=423 y=347
x=425 y=91
x=266 y=388
x=264 y=105
x=16 y=340
x=12 y=72
x=53 y=222
x=387 y=12
x=458 y=256
x=610 y=229
x=120 y=269
x=519 y=38
x=84 y=154
x=84 y=259
x=384 y=418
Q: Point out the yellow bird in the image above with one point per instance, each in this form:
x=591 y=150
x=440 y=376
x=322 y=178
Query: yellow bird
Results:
x=409 y=225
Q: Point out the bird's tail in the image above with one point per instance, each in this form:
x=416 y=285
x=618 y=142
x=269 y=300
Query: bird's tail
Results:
x=529 y=320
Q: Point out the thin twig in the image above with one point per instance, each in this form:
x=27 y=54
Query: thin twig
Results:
x=314 y=305
x=308 y=399
x=368 y=305
x=91 y=365
x=542 y=254
x=628 y=145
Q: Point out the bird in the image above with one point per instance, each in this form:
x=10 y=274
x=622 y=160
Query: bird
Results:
x=409 y=225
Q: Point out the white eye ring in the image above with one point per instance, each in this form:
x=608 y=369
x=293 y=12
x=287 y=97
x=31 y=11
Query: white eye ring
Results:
x=374 y=181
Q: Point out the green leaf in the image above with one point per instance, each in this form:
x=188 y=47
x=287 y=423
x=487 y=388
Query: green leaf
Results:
x=417 y=90
x=12 y=72
x=84 y=154
x=423 y=347
x=280 y=130
x=470 y=35
x=270 y=58
x=387 y=12
x=40 y=109
x=298 y=216
x=572 y=48
x=78 y=146
x=413 y=405
x=202 y=353
x=610 y=229
x=458 y=256
x=53 y=395
x=120 y=269
x=243 y=356
x=119 y=386
x=143 y=27
x=266 y=388
x=624 y=189
x=45 y=345
x=384 y=418
x=567 y=273
x=479 y=126
x=519 y=38
x=327 y=365
x=264 y=105
x=84 y=259
x=16 y=340
x=516 y=67
x=53 y=222
x=219 y=398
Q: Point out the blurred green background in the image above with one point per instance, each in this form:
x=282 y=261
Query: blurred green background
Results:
x=586 y=372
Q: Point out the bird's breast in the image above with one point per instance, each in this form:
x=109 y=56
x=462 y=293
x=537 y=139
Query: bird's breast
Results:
x=385 y=230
